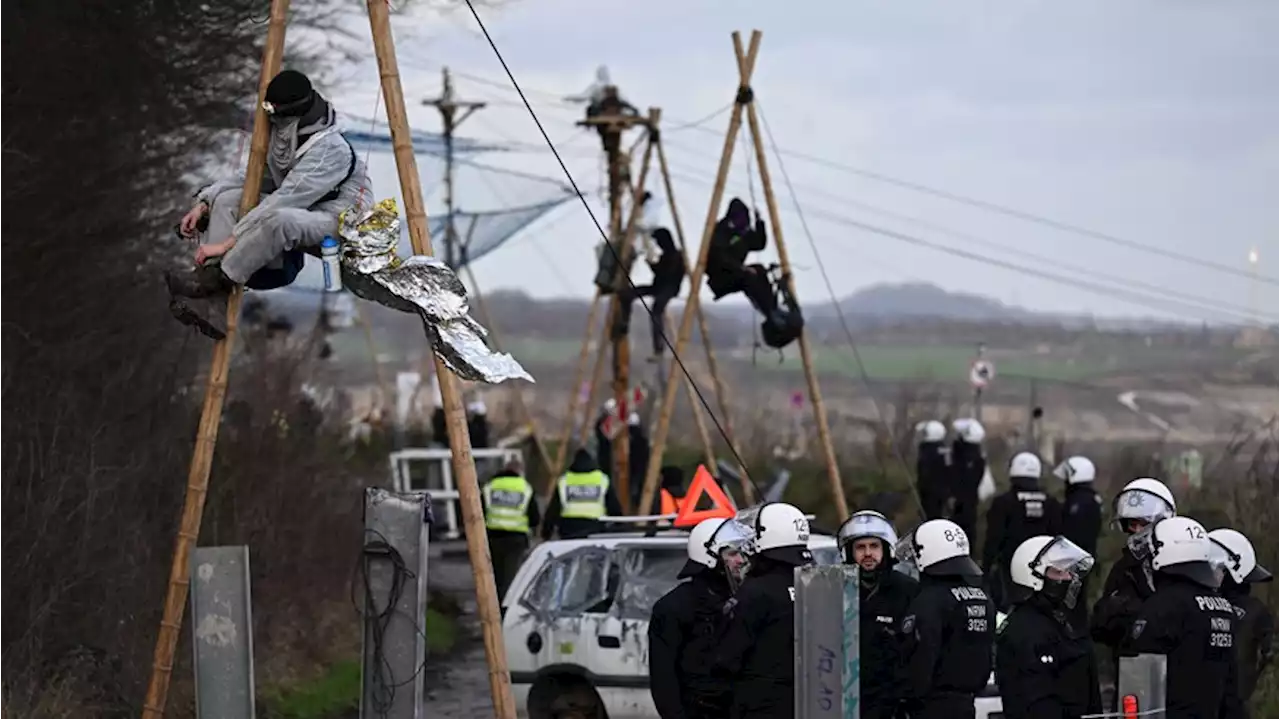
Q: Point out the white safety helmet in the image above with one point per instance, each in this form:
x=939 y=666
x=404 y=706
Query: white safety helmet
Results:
x=710 y=540
x=1076 y=470
x=1033 y=559
x=782 y=533
x=1144 y=500
x=477 y=407
x=1232 y=553
x=969 y=430
x=610 y=406
x=939 y=547
x=1025 y=464
x=863 y=524
x=633 y=419
x=931 y=431
x=1177 y=545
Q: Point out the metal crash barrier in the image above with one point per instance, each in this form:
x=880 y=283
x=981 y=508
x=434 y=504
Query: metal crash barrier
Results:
x=826 y=649
x=1141 y=689
x=431 y=470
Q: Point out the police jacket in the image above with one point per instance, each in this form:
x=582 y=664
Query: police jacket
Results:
x=1193 y=626
x=1023 y=512
x=757 y=651
x=967 y=467
x=1082 y=516
x=931 y=464
x=569 y=525
x=1122 y=594
x=684 y=633
x=1255 y=636
x=884 y=604
x=948 y=635
x=1045 y=666
x=509 y=504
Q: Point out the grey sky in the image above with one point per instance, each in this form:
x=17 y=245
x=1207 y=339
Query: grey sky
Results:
x=1155 y=121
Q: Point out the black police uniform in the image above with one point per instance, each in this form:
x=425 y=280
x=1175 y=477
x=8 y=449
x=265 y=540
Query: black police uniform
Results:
x=684 y=633
x=1195 y=627
x=885 y=597
x=757 y=650
x=1045 y=665
x=947 y=645
x=932 y=478
x=1082 y=523
x=968 y=466
x=1016 y=516
x=1255 y=635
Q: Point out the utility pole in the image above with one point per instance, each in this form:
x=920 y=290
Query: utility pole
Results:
x=449 y=107
x=610 y=117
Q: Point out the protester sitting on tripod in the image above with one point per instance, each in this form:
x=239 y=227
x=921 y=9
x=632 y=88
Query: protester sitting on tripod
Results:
x=668 y=276
x=727 y=272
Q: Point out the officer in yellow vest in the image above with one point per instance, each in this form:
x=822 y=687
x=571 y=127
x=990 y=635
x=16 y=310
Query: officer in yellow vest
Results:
x=583 y=495
x=509 y=512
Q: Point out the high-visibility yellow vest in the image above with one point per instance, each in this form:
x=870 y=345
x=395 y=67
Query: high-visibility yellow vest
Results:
x=582 y=494
x=506 y=504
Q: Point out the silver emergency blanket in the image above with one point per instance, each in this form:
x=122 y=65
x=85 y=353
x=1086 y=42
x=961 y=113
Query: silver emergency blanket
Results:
x=421 y=285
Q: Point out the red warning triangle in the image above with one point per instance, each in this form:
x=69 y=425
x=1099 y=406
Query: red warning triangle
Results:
x=703 y=485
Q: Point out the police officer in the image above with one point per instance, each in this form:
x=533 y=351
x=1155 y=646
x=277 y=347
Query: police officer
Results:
x=509 y=512
x=1141 y=502
x=1081 y=515
x=968 y=466
x=1045 y=665
x=757 y=653
x=867 y=540
x=1236 y=563
x=1188 y=621
x=931 y=468
x=688 y=621
x=1023 y=512
x=950 y=626
x=583 y=496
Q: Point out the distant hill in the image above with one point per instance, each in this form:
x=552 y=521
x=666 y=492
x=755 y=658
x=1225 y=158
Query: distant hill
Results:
x=919 y=300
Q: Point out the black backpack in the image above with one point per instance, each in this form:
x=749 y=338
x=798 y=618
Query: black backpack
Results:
x=784 y=324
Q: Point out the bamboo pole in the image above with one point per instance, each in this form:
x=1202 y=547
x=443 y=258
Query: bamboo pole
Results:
x=566 y=436
x=521 y=405
x=708 y=449
x=464 y=468
x=722 y=397
x=806 y=354
x=659 y=440
x=175 y=601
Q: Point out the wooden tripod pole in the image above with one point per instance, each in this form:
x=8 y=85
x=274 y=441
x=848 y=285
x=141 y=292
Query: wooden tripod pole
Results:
x=464 y=467
x=709 y=452
x=806 y=354
x=658 y=443
x=566 y=436
x=521 y=406
x=722 y=398
x=175 y=601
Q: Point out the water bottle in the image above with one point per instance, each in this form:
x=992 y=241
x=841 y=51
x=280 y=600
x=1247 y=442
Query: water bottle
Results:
x=329 y=257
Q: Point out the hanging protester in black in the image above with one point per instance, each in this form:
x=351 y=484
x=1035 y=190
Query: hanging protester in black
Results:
x=727 y=272
x=668 y=276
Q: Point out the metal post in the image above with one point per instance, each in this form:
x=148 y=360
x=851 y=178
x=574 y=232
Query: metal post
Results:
x=448 y=107
x=827 y=657
x=393 y=597
x=222 y=632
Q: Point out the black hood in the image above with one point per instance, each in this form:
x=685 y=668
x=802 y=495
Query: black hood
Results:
x=962 y=566
x=583 y=462
x=663 y=238
x=738 y=215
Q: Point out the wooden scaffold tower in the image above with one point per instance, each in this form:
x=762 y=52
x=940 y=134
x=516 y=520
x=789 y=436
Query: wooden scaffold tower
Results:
x=621 y=245
x=464 y=468
x=746 y=60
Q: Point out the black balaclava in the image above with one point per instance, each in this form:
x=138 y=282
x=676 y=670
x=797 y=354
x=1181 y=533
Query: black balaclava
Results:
x=662 y=237
x=738 y=215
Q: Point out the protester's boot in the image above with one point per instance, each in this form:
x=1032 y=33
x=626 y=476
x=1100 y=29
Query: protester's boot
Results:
x=199 y=299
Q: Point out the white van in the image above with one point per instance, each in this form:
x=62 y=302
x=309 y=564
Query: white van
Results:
x=576 y=624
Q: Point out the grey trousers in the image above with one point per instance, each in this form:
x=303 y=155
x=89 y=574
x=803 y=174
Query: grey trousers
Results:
x=282 y=229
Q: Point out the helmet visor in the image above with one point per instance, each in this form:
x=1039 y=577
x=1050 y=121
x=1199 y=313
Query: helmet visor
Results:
x=731 y=535
x=1065 y=557
x=1223 y=561
x=1141 y=504
x=868 y=525
x=905 y=552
